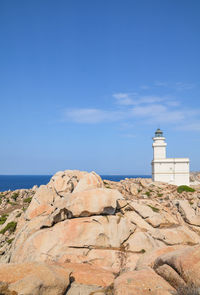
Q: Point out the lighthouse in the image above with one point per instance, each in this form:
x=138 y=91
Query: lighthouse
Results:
x=171 y=170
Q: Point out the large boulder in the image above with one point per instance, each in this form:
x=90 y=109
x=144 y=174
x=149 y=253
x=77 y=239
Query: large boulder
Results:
x=176 y=236
x=60 y=187
x=68 y=181
x=148 y=258
x=170 y=275
x=90 y=202
x=65 y=181
x=143 y=282
x=89 y=232
x=138 y=220
x=89 y=181
x=141 y=242
x=35 y=278
x=42 y=203
x=185 y=262
x=188 y=212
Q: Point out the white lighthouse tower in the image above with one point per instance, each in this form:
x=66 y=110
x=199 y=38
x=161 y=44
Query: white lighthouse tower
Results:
x=171 y=170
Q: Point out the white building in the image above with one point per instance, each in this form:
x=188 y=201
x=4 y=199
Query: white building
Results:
x=171 y=170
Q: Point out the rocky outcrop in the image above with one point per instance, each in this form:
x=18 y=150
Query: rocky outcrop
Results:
x=51 y=244
x=102 y=237
x=35 y=278
x=143 y=282
x=183 y=266
x=99 y=201
x=195 y=178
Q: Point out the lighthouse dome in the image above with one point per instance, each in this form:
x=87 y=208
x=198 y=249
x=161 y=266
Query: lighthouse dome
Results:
x=158 y=133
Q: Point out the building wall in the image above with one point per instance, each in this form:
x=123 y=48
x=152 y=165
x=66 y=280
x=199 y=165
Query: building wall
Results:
x=159 y=148
x=173 y=171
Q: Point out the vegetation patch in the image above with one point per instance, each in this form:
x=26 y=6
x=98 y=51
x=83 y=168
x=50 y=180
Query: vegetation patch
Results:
x=107 y=186
x=185 y=188
x=148 y=194
x=11 y=227
x=159 y=195
x=27 y=200
x=15 y=196
x=1 y=197
x=11 y=203
x=19 y=214
x=154 y=208
x=9 y=241
x=3 y=218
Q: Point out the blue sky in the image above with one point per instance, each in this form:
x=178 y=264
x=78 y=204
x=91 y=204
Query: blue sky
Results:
x=84 y=84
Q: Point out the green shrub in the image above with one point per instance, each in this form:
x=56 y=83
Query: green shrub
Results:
x=1 y=197
x=3 y=218
x=11 y=203
x=9 y=241
x=19 y=214
x=185 y=188
x=15 y=196
x=148 y=194
x=159 y=195
x=11 y=226
x=27 y=200
x=154 y=208
x=107 y=186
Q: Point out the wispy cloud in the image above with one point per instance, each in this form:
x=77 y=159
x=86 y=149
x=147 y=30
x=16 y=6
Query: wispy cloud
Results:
x=89 y=115
x=173 y=103
x=158 y=113
x=125 y=98
x=131 y=108
x=184 y=86
x=160 y=84
x=195 y=126
x=178 y=86
x=135 y=99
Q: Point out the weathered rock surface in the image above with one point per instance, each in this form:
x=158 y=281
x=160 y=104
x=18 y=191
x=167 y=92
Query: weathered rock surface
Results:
x=143 y=282
x=35 y=278
x=185 y=262
x=88 y=234
x=42 y=203
x=188 y=213
x=65 y=181
x=90 y=202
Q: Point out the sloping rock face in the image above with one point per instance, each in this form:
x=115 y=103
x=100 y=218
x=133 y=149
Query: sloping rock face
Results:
x=35 y=278
x=85 y=233
x=183 y=265
x=143 y=282
x=100 y=237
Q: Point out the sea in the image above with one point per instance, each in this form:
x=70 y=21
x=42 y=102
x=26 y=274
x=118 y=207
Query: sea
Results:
x=13 y=182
